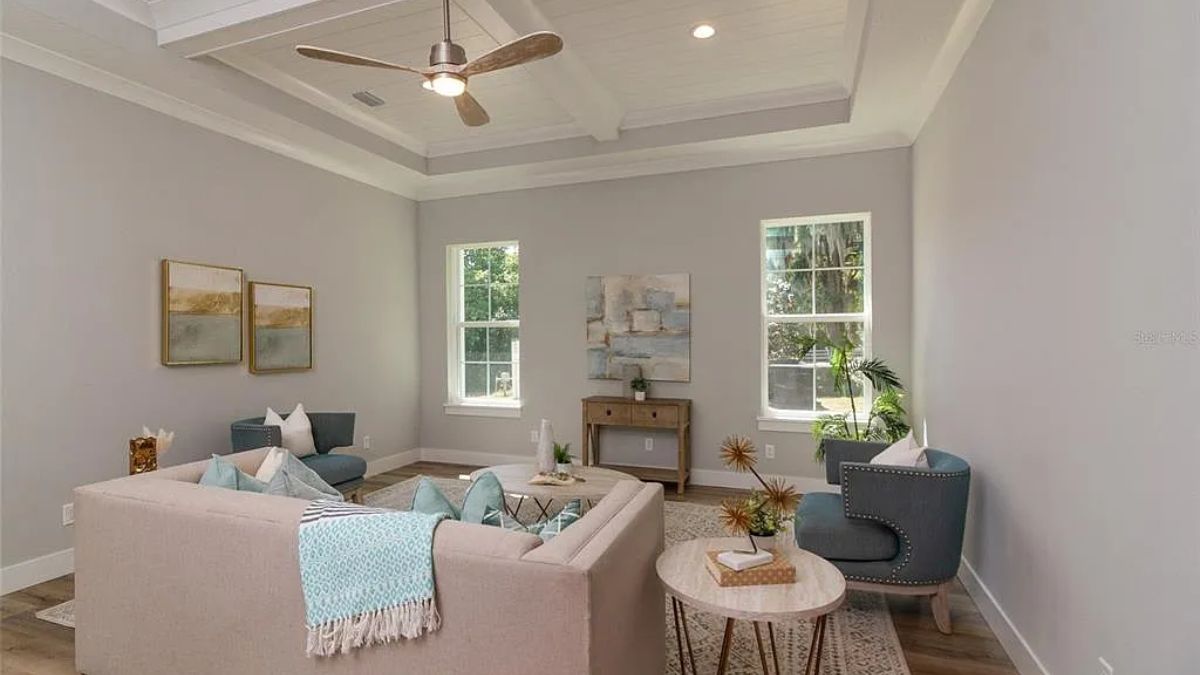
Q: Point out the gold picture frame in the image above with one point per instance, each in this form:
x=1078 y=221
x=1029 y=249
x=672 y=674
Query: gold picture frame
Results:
x=280 y=327
x=202 y=311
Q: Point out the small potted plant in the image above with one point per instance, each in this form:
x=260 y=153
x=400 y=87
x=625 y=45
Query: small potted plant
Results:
x=764 y=513
x=639 y=385
x=562 y=458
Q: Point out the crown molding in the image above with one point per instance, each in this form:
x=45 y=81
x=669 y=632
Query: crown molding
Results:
x=394 y=179
x=514 y=139
x=770 y=100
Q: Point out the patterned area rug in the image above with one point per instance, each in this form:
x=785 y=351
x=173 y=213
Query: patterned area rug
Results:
x=63 y=615
x=859 y=640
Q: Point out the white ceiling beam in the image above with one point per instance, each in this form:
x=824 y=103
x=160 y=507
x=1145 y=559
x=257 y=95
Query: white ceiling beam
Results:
x=564 y=78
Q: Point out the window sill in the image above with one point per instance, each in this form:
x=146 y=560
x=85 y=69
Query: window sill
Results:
x=799 y=423
x=510 y=410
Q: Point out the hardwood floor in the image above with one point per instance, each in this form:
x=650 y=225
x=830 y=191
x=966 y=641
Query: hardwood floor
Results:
x=35 y=647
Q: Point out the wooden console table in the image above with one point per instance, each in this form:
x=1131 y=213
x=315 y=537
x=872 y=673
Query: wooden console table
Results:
x=653 y=413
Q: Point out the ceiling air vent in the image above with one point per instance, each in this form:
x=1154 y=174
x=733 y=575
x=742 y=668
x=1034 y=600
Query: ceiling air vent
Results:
x=368 y=99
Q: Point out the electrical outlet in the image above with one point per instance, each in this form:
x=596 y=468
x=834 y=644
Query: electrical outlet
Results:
x=770 y=451
x=68 y=514
x=1105 y=669
x=534 y=437
x=649 y=445
x=366 y=442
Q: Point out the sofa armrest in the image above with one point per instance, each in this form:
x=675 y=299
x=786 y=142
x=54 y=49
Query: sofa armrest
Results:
x=248 y=436
x=838 y=450
x=927 y=509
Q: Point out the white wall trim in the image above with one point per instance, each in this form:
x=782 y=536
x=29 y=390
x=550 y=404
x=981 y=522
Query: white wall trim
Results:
x=85 y=74
x=472 y=457
x=37 y=570
x=136 y=10
x=1022 y=655
x=745 y=481
x=394 y=461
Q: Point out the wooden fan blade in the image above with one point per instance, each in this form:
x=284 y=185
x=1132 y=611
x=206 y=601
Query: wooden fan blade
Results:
x=532 y=47
x=472 y=114
x=322 y=54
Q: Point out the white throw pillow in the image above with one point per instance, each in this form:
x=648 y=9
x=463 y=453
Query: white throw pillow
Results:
x=904 y=452
x=295 y=431
x=271 y=463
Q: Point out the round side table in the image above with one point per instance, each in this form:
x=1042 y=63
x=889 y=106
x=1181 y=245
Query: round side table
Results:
x=818 y=590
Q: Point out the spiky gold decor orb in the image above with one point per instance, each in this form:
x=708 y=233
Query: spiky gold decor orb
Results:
x=735 y=516
x=781 y=496
x=738 y=452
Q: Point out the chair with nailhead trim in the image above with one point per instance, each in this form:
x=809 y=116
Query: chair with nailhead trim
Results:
x=892 y=529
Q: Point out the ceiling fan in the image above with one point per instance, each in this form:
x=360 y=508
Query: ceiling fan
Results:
x=449 y=69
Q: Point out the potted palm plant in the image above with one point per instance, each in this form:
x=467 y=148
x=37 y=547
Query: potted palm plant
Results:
x=763 y=513
x=562 y=458
x=887 y=418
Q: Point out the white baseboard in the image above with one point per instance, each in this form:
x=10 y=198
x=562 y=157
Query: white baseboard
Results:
x=733 y=479
x=472 y=457
x=1026 y=662
x=384 y=464
x=32 y=572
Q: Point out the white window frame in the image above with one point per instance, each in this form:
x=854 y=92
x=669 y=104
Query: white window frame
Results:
x=456 y=403
x=771 y=419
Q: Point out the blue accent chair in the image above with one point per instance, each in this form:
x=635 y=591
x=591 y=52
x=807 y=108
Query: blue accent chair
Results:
x=330 y=430
x=892 y=529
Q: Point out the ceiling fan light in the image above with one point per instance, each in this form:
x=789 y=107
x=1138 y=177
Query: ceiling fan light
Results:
x=427 y=84
x=448 y=84
x=703 y=31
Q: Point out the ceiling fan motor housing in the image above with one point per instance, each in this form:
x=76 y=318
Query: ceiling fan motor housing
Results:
x=447 y=53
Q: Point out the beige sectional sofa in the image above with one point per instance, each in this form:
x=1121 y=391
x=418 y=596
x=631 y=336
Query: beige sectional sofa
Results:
x=175 y=577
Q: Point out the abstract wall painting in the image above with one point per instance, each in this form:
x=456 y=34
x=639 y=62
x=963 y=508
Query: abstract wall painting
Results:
x=280 y=328
x=639 y=322
x=201 y=314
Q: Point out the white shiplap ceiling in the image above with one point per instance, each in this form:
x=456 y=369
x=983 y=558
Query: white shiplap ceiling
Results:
x=640 y=52
x=632 y=93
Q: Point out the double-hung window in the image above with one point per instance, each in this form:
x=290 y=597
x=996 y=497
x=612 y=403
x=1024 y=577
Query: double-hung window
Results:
x=815 y=276
x=484 y=329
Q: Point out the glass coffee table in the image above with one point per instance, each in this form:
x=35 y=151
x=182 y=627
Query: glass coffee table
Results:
x=514 y=478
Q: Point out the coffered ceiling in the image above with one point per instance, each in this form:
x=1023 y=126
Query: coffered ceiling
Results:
x=631 y=93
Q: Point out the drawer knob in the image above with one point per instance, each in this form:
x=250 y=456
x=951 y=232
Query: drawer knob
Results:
x=608 y=412
x=654 y=414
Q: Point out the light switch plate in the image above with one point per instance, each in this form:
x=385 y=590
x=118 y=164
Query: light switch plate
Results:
x=533 y=436
x=366 y=442
x=649 y=444
x=68 y=514
x=770 y=451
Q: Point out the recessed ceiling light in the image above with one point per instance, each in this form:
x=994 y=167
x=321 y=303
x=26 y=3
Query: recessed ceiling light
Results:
x=703 y=31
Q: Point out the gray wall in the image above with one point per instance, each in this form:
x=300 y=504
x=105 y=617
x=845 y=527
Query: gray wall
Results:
x=96 y=192
x=1057 y=309
x=705 y=223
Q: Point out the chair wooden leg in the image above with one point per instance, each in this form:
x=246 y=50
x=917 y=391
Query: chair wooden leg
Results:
x=941 y=608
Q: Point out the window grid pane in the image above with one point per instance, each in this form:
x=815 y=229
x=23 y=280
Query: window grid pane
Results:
x=487 y=322
x=814 y=279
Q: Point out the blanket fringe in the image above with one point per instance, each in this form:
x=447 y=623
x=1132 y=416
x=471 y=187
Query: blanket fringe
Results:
x=409 y=620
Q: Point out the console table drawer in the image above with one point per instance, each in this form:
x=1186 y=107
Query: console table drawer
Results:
x=656 y=416
x=608 y=413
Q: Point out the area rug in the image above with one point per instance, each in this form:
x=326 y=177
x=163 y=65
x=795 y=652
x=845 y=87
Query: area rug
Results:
x=859 y=640
x=62 y=614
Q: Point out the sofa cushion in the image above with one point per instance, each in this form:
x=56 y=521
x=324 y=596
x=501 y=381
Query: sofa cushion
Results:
x=547 y=529
x=483 y=495
x=223 y=473
x=295 y=479
x=823 y=528
x=335 y=469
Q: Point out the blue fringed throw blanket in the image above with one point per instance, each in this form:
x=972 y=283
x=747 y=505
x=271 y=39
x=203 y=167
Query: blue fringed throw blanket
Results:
x=367 y=576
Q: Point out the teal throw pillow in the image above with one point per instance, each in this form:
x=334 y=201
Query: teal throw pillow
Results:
x=547 y=529
x=294 y=478
x=484 y=493
x=224 y=473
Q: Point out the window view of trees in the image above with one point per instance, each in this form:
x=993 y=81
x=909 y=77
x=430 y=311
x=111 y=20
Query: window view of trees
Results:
x=489 y=325
x=814 y=282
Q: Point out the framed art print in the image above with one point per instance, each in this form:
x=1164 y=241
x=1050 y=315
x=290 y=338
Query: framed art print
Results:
x=280 y=327
x=201 y=314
